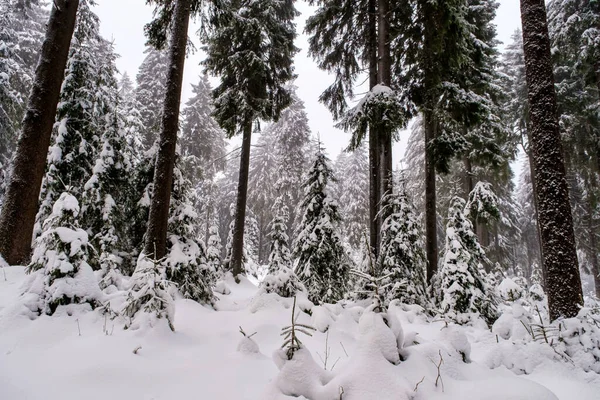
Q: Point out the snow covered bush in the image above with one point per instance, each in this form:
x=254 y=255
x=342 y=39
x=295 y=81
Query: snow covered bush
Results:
x=213 y=249
x=460 y=286
x=280 y=278
x=509 y=290
x=60 y=271
x=321 y=263
x=150 y=296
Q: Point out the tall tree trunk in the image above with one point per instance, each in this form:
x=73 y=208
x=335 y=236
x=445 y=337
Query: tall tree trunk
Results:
x=374 y=176
x=237 y=250
x=158 y=220
x=563 y=283
x=430 y=196
x=384 y=75
x=28 y=166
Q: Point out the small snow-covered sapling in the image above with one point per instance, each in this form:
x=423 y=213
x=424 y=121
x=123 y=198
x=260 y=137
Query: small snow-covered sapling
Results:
x=291 y=342
x=374 y=281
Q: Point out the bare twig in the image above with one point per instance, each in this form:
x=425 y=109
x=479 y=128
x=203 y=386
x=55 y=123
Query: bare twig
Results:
x=341 y=392
x=135 y=351
x=246 y=335
x=342 y=344
x=418 y=383
x=438 y=366
x=78 y=327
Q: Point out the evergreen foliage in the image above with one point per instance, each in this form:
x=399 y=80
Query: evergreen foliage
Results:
x=280 y=278
x=150 y=295
x=321 y=262
x=401 y=257
x=460 y=286
x=60 y=269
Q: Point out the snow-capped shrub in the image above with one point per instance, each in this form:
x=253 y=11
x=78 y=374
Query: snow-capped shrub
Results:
x=509 y=290
x=187 y=268
x=580 y=338
x=280 y=278
x=60 y=269
x=149 y=298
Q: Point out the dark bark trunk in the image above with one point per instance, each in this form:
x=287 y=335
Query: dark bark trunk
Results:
x=374 y=176
x=594 y=268
x=430 y=197
x=158 y=220
x=28 y=166
x=563 y=283
x=384 y=73
x=237 y=250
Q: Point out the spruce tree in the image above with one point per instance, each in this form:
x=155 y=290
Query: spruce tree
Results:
x=321 y=262
x=280 y=278
x=401 y=255
x=27 y=167
x=202 y=140
x=250 y=45
x=84 y=109
x=151 y=81
x=353 y=196
x=59 y=264
x=460 y=286
x=213 y=249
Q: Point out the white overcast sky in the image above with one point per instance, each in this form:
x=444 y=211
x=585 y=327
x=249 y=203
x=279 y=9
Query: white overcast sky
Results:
x=123 y=21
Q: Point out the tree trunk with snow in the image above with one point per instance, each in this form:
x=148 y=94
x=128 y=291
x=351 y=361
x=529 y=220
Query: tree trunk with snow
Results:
x=430 y=197
x=237 y=251
x=563 y=283
x=374 y=153
x=21 y=201
x=156 y=233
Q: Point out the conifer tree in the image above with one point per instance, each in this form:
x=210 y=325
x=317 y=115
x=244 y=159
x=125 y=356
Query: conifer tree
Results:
x=250 y=45
x=213 y=249
x=27 y=167
x=280 y=278
x=202 y=140
x=151 y=81
x=354 y=196
x=401 y=256
x=22 y=26
x=61 y=273
x=86 y=104
x=460 y=286
x=321 y=262
x=150 y=296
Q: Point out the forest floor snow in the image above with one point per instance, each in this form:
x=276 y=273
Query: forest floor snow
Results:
x=87 y=356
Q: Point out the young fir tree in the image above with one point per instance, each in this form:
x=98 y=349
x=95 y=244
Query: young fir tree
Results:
x=251 y=45
x=321 y=262
x=280 y=278
x=185 y=260
x=61 y=273
x=17 y=219
x=213 y=249
x=401 y=256
x=460 y=286
x=150 y=296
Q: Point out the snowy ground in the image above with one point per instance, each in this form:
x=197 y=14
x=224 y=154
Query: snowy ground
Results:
x=88 y=357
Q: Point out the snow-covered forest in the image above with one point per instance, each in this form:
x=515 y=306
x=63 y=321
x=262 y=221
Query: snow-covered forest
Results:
x=160 y=247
